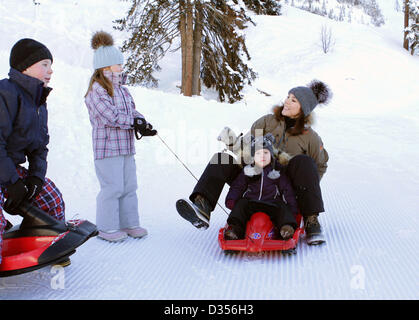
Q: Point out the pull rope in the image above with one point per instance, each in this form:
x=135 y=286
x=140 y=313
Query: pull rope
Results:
x=186 y=167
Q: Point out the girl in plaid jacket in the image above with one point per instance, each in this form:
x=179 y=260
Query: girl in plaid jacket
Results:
x=114 y=120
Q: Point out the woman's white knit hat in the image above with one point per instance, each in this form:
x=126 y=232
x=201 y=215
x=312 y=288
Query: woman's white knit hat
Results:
x=106 y=54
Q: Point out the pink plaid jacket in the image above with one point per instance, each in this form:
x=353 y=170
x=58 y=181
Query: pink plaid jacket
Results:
x=112 y=118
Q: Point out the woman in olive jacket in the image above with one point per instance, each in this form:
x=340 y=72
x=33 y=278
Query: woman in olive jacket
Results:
x=290 y=124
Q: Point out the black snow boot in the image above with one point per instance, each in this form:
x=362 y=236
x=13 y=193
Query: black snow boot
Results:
x=197 y=212
x=313 y=230
x=233 y=232
x=286 y=231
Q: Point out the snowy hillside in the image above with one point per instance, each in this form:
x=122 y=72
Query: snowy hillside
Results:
x=370 y=129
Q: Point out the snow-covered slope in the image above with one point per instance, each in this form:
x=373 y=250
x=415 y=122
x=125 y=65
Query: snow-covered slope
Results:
x=370 y=130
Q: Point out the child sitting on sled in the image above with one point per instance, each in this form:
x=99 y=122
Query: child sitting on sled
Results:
x=261 y=187
x=24 y=133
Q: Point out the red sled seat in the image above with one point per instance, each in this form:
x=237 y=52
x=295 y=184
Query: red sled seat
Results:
x=261 y=236
x=40 y=240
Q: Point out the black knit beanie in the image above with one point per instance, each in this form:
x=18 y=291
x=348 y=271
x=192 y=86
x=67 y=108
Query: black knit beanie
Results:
x=27 y=52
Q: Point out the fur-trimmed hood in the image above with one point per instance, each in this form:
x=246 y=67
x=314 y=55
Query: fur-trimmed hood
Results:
x=252 y=170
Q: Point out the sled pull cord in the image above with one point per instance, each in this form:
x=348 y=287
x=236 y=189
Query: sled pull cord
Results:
x=186 y=167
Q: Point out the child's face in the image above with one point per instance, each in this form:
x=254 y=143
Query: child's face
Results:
x=40 y=70
x=262 y=157
x=116 y=68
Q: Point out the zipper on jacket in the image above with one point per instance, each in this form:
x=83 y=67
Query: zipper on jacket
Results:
x=123 y=98
x=277 y=192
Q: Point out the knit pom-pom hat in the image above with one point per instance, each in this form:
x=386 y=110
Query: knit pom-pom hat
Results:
x=315 y=93
x=106 y=54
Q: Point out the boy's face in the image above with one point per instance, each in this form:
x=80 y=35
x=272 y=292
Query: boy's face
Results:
x=40 y=70
x=262 y=157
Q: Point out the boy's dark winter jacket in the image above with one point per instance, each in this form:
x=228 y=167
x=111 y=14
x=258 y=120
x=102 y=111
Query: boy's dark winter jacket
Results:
x=23 y=126
x=266 y=185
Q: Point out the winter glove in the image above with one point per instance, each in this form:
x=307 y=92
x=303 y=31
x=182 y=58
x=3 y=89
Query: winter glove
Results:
x=149 y=131
x=139 y=124
x=17 y=193
x=34 y=185
x=230 y=204
x=143 y=128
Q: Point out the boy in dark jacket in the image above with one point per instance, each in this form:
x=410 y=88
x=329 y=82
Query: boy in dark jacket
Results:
x=24 y=133
x=260 y=187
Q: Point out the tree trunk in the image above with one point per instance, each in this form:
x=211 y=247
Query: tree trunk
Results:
x=406 y=24
x=187 y=86
x=414 y=44
x=182 y=27
x=197 y=48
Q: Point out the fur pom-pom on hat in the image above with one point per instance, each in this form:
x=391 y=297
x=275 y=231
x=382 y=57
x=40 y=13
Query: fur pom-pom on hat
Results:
x=101 y=39
x=106 y=54
x=321 y=91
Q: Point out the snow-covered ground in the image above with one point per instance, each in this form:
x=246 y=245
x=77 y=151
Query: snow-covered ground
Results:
x=370 y=130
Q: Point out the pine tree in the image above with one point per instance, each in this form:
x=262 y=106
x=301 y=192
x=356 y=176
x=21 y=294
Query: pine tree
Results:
x=324 y=10
x=411 y=35
x=397 y=5
x=212 y=44
x=372 y=9
x=223 y=44
x=153 y=26
x=264 y=7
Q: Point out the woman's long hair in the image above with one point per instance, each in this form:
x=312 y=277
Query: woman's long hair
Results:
x=99 y=77
x=299 y=126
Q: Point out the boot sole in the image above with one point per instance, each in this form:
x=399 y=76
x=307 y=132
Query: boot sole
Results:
x=116 y=239
x=315 y=239
x=188 y=212
x=65 y=263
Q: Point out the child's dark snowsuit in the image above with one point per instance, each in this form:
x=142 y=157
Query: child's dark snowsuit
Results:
x=268 y=191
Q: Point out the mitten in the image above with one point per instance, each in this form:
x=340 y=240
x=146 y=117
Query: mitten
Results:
x=230 y=204
x=142 y=127
x=139 y=125
x=34 y=185
x=16 y=194
x=149 y=131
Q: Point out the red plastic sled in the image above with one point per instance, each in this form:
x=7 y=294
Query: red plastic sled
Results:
x=41 y=240
x=260 y=236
